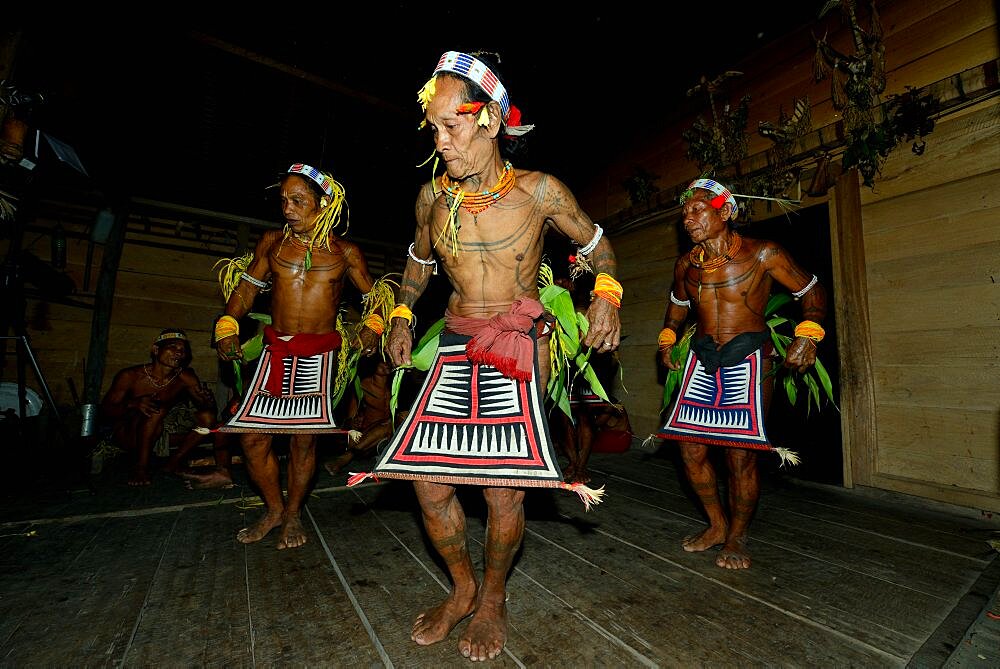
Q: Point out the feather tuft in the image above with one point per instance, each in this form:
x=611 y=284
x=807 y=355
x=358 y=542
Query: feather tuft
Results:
x=589 y=496
x=787 y=457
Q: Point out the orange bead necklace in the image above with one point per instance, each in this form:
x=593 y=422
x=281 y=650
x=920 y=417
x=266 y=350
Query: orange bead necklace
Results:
x=475 y=203
x=715 y=263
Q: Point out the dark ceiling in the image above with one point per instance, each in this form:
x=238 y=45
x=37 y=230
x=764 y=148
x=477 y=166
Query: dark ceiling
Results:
x=205 y=113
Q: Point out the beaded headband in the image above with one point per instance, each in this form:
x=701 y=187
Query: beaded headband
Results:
x=722 y=194
x=177 y=334
x=324 y=182
x=476 y=70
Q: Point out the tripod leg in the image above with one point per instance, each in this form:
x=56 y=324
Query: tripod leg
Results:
x=41 y=379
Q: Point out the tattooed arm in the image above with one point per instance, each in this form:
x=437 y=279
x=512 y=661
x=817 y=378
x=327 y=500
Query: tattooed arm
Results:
x=242 y=297
x=676 y=313
x=566 y=216
x=782 y=267
x=415 y=279
x=357 y=271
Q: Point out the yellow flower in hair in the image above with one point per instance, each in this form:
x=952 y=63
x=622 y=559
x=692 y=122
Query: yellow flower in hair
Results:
x=484 y=117
x=426 y=94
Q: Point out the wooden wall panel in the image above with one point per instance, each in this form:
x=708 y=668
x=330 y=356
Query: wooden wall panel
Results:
x=967 y=51
x=924 y=42
x=645 y=268
x=935 y=42
x=938 y=346
x=899 y=239
x=906 y=311
x=928 y=383
x=934 y=257
x=962 y=472
x=967 y=145
x=931 y=272
x=961 y=446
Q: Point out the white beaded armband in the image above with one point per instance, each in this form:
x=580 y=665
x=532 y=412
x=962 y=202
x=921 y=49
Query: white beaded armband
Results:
x=254 y=281
x=421 y=261
x=799 y=293
x=592 y=244
x=679 y=303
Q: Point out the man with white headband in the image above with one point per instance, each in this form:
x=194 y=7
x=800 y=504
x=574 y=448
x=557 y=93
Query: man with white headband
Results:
x=484 y=222
x=725 y=392
x=305 y=266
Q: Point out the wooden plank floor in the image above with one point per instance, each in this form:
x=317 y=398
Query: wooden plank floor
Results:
x=114 y=576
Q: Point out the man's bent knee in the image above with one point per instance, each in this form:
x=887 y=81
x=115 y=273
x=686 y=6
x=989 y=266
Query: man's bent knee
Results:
x=433 y=497
x=503 y=499
x=693 y=453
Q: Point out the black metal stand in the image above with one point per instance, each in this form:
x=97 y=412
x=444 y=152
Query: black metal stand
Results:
x=24 y=351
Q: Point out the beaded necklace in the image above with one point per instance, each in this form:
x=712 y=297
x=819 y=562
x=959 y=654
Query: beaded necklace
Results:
x=715 y=263
x=475 y=203
x=157 y=384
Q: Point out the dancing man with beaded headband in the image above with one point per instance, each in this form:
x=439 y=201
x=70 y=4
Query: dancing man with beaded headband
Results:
x=305 y=266
x=725 y=389
x=483 y=221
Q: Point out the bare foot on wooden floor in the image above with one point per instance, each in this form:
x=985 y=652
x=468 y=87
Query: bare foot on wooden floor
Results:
x=709 y=538
x=734 y=554
x=212 y=479
x=293 y=534
x=436 y=623
x=486 y=634
x=259 y=530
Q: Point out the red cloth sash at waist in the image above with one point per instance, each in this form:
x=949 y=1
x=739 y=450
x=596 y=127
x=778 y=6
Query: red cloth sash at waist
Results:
x=503 y=341
x=302 y=345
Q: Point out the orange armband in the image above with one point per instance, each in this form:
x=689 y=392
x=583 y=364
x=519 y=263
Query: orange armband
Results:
x=606 y=288
x=226 y=326
x=810 y=330
x=666 y=339
x=375 y=323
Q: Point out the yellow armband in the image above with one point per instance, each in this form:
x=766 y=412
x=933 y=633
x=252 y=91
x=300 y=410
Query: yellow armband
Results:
x=401 y=311
x=810 y=330
x=606 y=288
x=226 y=326
x=666 y=339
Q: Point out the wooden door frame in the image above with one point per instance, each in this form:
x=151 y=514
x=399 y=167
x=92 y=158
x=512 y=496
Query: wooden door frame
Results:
x=858 y=415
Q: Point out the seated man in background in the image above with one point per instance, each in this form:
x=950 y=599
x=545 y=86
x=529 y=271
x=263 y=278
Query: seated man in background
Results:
x=369 y=417
x=140 y=397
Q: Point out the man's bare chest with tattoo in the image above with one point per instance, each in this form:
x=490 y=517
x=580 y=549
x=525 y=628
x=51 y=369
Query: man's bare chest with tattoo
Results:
x=498 y=249
x=288 y=260
x=739 y=289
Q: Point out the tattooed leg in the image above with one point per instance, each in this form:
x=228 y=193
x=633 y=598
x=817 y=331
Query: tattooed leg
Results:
x=444 y=521
x=486 y=634
x=701 y=476
x=744 y=491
